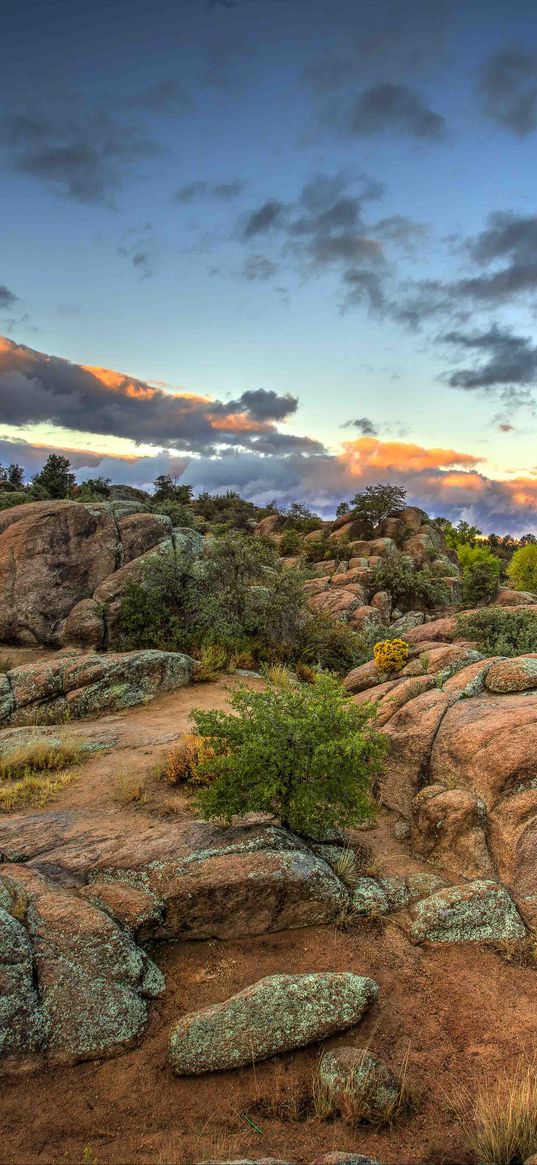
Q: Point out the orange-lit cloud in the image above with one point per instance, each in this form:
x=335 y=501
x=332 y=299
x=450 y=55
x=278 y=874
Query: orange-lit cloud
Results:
x=366 y=453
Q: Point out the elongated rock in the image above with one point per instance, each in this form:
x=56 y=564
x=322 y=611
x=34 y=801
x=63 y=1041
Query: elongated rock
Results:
x=277 y=1014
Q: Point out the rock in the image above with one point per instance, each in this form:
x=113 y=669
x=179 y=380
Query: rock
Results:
x=353 y=529
x=82 y=685
x=268 y=525
x=383 y=547
x=338 y=603
x=367 y=675
x=486 y=744
x=479 y=911
x=276 y=1014
x=358 y=1085
x=444 y=629
x=171 y=880
x=399 y=695
x=85 y=625
x=412 y=732
x=82 y=983
x=345 y=1159
x=55 y=554
x=448 y=828
x=366 y=618
x=401 y=830
x=407 y=622
x=369 y=898
x=509 y=598
x=420 y=546
x=383 y=602
x=512 y=675
x=349 y=578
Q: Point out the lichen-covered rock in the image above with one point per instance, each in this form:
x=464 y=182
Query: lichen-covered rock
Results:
x=412 y=732
x=345 y=1159
x=353 y=1079
x=369 y=898
x=479 y=911
x=76 y=985
x=366 y=618
x=82 y=685
x=512 y=675
x=277 y=1014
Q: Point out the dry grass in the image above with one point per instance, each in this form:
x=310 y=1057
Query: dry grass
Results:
x=345 y=866
x=181 y=765
x=131 y=789
x=357 y=1102
x=38 y=757
x=212 y=662
x=500 y=1119
x=6 y=663
x=280 y=676
x=34 y=773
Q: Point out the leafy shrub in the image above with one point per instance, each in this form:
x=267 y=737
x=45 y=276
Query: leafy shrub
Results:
x=290 y=542
x=7 y=500
x=410 y=587
x=480 y=573
x=331 y=645
x=177 y=512
x=390 y=654
x=501 y=632
x=378 y=502
x=213 y=661
x=303 y=753
x=522 y=569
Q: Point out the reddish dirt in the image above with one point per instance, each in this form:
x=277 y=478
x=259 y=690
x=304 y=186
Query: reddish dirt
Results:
x=458 y=1011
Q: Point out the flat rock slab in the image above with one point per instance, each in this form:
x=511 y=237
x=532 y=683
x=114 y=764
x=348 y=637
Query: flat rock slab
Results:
x=186 y=880
x=479 y=911
x=277 y=1014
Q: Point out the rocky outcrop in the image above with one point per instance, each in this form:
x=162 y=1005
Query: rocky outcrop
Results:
x=75 y=685
x=479 y=911
x=277 y=1014
x=55 y=559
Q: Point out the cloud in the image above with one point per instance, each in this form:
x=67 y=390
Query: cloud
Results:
x=227 y=191
x=82 y=150
x=390 y=108
x=508 y=87
x=441 y=481
x=258 y=267
x=511 y=359
x=364 y=425
x=35 y=388
x=269 y=215
x=7 y=298
x=139 y=247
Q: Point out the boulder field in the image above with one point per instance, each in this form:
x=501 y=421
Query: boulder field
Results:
x=462 y=773
x=64 y=566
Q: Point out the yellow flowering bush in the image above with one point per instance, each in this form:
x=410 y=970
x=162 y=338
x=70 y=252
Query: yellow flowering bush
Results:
x=391 y=654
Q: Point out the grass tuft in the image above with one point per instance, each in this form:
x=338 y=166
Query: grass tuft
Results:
x=6 y=663
x=33 y=773
x=500 y=1119
x=357 y=1103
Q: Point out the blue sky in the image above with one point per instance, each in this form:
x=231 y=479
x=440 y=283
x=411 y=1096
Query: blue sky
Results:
x=329 y=202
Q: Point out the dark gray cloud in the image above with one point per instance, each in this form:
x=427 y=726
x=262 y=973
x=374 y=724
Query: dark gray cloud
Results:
x=38 y=388
x=139 y=247
x=258 y=267
x=390 y=108
x=363 y=425
x=363 y=287
x=510 y=359
x=227 y=191
x=7 y=298
x=508 y=86
x=83 y=153
x=269 y=216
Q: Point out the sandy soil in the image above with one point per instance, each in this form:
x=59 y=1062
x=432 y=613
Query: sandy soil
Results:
x=458 y=1011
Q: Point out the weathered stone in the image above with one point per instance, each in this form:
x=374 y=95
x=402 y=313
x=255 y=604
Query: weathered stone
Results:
x=277 y=1014
x=449 y=828
x=512 y=675
x=509 y=598
x=487 y=744
x=358 y=1084
x=382 y=600
x=400 y=694
x=366 y=618
x=369 y=898
x=412 y=732
x=338 y=603
x=408 y=622
x=479 y=911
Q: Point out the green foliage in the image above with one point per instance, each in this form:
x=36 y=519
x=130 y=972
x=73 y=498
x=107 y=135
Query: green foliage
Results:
x=331 y=645
x=95 y=489
x=480 y=573
x=56 y=477
x=456 y=536
x=303 y=753
x=409 y=587
x=8 y=500
x=12 y=476
x=378 y=502
x=177 y=512
x=230 y=509
x=297 y=517
x=290 y=543
x=498 y=631
x=522 y=569
x=166 y=489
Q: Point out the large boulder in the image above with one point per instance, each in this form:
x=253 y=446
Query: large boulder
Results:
x=277 y=1014
x=74 y=685
x=55 y=555
x=480 y=911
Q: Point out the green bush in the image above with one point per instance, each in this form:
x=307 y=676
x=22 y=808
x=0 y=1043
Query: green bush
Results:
x=497 y=631
x=177 y=512
x=8 y=500
x=522 y=569
x=410 y=587
x=290 y=542
x=332 y=645
x=376 y=503
x=301 y=752
x=480 y=573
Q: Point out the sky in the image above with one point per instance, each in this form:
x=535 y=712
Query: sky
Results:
x=287 y=247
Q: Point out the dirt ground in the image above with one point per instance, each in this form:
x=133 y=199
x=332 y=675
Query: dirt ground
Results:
x=457 y=1011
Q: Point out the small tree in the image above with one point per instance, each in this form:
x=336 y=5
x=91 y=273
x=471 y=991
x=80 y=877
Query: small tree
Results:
x=95 y=489
x=378 y=502
x=481 y=571
x=522 y=569
x=303 y=753
x=167 y=490
x=56 y=477
x=13 y=476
